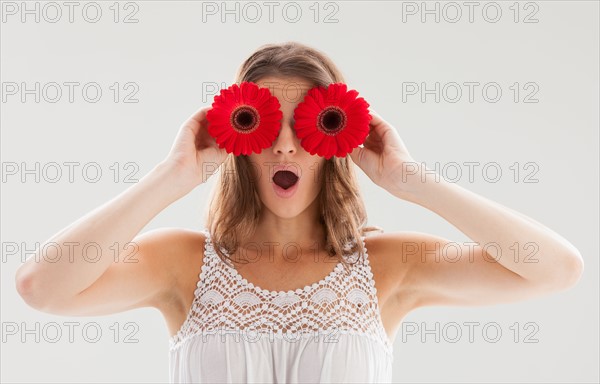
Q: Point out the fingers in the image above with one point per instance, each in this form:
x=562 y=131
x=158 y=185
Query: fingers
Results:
x=377 y=121
x=355 y=155
x=200 y=114
x=195 y=121
x=380 y=126
x=383 y=136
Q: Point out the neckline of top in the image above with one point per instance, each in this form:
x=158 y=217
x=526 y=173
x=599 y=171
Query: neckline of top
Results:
x=244 y=282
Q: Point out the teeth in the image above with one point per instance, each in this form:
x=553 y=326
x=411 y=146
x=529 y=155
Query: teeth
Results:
x=285 y=179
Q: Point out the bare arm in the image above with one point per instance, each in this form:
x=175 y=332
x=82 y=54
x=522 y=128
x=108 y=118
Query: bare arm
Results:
x=64 y=270
x=513 y=255
x=440 y=271
x=53 y=282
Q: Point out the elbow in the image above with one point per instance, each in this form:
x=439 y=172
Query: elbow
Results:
x=25 y=284
x=23 y=281
x=572 y=271
x=37 y=293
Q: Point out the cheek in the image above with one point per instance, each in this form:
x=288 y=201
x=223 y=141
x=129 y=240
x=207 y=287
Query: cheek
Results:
x=313 y=174
x=318 y=170
x=258 y=171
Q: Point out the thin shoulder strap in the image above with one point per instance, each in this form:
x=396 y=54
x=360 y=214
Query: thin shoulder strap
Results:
x=205 y=277
x=207 y=264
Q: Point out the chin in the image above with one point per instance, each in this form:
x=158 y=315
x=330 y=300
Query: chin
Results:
x=287 y=216
x=285 y=212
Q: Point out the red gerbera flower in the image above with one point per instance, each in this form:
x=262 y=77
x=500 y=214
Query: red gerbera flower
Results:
x=244 y=118
x=333 y=121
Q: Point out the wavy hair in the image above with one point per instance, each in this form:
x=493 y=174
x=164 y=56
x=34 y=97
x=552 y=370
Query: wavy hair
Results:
x=235 y=205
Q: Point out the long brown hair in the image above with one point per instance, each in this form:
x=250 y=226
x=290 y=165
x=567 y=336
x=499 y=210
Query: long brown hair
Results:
x=235 y=205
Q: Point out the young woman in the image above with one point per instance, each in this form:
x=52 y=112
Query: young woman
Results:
x=283 y=284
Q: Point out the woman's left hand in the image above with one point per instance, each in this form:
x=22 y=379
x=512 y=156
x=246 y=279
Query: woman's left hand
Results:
x=383 y=156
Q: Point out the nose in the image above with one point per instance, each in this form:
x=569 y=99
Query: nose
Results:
x=286 y=141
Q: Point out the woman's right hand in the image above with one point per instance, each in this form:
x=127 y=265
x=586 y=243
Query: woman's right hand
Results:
x=195 y=155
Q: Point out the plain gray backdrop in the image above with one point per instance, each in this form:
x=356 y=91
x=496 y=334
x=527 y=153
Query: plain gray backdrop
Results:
x=542 y=56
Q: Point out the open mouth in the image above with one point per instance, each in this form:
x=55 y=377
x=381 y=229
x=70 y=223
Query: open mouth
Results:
x=285 y=179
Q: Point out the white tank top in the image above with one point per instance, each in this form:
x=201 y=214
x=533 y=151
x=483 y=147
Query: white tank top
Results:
x=330 y=331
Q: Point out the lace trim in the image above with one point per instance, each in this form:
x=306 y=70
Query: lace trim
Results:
x=224 y=300
x=235 y=275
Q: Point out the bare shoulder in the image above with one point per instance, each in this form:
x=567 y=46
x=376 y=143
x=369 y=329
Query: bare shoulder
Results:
x=150 y=273
x=180 y=251
x=168 y=256
x=433 y=270
x=391 y=273
x=172 y=245
x=390 y=268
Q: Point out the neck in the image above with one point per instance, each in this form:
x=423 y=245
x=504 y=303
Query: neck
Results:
x=286 y=239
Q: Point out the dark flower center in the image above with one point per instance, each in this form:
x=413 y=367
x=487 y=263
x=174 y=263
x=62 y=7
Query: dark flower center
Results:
x=245 y=119
x=331 y=120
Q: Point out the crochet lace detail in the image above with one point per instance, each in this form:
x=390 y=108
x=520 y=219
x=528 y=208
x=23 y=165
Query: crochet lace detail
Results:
x=345 y=301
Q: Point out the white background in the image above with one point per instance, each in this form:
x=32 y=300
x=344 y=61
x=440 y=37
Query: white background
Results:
x=171 y=52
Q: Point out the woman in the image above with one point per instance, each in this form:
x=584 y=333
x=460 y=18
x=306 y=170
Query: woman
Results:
x=263 y=264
